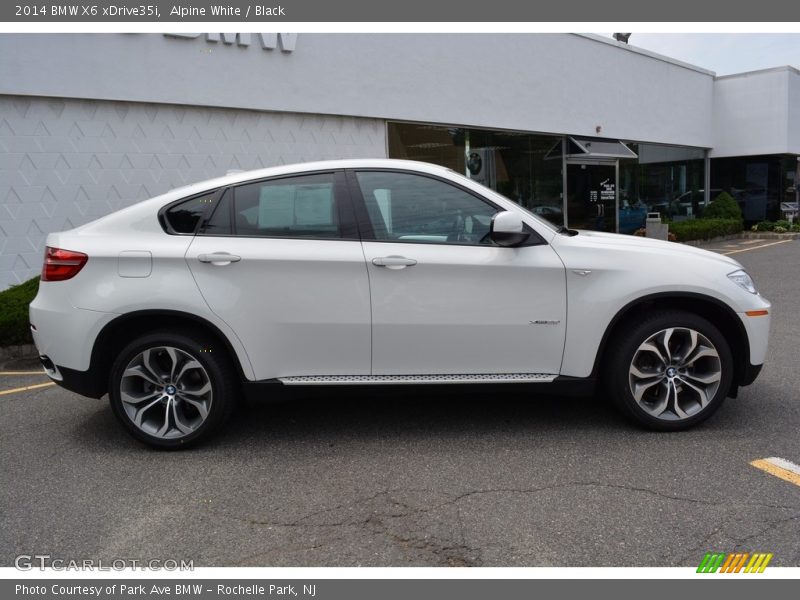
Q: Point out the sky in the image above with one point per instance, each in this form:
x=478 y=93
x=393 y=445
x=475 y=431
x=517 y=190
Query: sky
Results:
x=724 y=53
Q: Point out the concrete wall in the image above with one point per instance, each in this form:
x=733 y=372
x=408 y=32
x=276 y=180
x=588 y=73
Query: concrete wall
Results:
x=557 y=83
x=65 y=162
x=757 y=113
x=793 y=130
x=92 y=122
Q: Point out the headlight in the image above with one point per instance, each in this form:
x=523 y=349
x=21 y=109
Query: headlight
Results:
x=743 y=280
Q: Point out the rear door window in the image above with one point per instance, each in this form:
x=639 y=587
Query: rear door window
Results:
x=293 y=207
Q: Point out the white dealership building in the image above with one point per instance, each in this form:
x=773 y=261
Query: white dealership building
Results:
x=581 y=129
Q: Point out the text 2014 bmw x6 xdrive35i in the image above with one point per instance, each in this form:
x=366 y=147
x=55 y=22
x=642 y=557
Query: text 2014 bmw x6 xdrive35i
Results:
x=380 y=272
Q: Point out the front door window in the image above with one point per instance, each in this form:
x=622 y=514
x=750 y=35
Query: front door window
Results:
x=404 y=207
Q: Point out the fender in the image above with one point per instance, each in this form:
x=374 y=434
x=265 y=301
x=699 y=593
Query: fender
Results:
x=100 y=360
x=737 y=335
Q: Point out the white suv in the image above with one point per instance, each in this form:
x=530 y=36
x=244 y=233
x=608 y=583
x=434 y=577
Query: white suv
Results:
x=363 y=272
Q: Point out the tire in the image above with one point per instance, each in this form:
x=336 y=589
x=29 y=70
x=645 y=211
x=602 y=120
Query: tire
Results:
x=172 y=389
x=674 y=386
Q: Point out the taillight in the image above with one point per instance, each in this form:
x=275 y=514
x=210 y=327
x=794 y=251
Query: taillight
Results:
x=62 y=264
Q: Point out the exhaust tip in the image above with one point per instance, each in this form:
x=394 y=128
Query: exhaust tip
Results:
x=49 y=368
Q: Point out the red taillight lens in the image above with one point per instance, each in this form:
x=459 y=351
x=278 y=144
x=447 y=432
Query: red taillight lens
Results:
x=62 y=264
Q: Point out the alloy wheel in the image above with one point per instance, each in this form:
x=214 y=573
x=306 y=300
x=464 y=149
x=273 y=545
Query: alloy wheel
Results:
x=166 y=392
x=675 y=373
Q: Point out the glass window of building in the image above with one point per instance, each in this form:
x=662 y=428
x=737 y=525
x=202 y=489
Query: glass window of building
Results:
x=665 y=179
x=512 y=163
x=611 y=184
x=758 y=183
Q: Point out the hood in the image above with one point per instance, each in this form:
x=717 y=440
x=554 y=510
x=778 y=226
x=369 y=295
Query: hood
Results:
x=632 y=243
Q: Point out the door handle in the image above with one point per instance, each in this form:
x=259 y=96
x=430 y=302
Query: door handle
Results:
x=394 y=262
x=219 y=259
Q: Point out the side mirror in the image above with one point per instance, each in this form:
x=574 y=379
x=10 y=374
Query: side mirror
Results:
x=508 y=229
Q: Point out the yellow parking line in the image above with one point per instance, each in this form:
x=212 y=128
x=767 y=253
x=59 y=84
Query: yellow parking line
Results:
x=756 y=247
x=26 y=388
x=779 y=467
x=22 y=373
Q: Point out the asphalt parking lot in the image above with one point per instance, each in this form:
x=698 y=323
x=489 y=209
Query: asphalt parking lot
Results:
x=490 y=479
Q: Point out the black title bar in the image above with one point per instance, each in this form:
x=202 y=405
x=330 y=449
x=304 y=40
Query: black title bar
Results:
x=156 y=11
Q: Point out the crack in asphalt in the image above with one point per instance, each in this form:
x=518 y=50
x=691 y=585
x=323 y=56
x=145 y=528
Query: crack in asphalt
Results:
x=700 y=546
x=769 y=527
x=738 y=542
x=456 y=498
x=457 y=552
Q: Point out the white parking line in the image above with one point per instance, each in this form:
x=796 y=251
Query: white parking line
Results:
x=757 y=247
x=41 y=372
x=26 y=388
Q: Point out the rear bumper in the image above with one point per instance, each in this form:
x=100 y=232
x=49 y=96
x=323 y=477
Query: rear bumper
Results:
x=62 y=332
x=84 y=383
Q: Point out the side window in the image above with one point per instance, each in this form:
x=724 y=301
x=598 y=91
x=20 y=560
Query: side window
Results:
x=184 y=217
x=293 y=207
x=404 y=207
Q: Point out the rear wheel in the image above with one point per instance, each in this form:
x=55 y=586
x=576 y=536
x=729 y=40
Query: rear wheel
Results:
x=670 y=371
x=172 y=389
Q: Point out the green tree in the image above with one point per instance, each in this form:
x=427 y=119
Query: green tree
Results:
x=723 y=207
x=14 y=326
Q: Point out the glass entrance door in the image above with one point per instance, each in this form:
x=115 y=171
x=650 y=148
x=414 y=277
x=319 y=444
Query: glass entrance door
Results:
x=592 y=196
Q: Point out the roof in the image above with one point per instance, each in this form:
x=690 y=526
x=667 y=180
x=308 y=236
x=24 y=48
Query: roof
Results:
x=323 y=165
x=648 y=53
x=780 y=69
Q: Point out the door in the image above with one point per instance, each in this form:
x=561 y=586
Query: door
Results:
x=280 y=263
x=445 y=299
x=592 y=196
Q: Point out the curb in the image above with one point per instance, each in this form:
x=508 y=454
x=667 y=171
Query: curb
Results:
x=719 y=238
x=745 y=235
x=769 y=235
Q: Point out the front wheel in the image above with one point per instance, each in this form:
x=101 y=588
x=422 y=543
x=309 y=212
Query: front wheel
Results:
x=172 y=389
x=670 y=371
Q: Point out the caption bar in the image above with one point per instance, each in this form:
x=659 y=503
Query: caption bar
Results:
x=407 y=11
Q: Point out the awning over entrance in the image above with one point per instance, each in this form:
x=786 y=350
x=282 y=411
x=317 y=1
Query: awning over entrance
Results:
x=591 y=148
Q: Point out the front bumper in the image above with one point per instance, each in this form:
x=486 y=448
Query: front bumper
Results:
x=757 y=330
x=749 y=374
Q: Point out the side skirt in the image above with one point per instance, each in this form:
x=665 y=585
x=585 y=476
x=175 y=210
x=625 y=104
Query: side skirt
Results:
x=275 y=390
x=417 y=379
